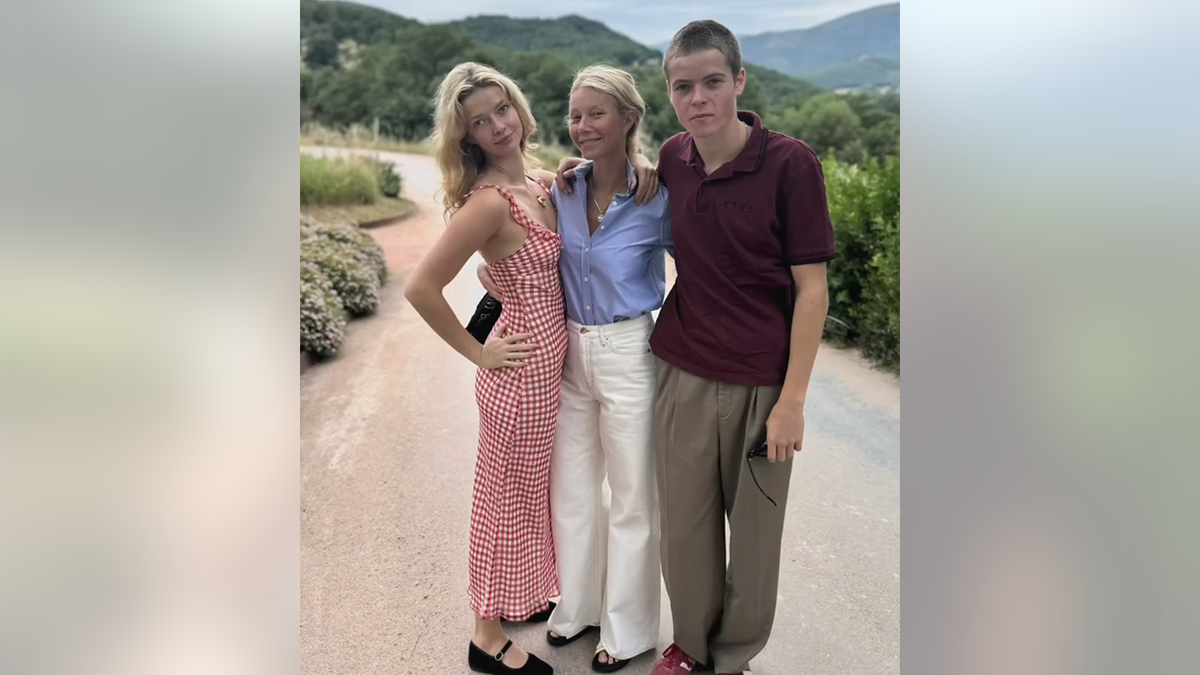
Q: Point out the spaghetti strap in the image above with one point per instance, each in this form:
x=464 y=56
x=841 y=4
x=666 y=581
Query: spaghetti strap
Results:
x=542 y=185
x=504 y=192
x=515 y=210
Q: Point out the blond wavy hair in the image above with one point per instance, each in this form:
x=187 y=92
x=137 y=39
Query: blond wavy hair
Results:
x=460 y=161
x=621 y=86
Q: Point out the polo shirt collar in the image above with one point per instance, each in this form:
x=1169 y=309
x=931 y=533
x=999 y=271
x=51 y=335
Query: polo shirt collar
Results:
x=752 y=153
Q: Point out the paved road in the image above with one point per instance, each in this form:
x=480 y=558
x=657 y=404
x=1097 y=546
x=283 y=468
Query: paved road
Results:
x=388 y=434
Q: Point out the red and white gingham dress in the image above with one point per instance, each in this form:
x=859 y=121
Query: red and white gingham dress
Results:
x=513 y=571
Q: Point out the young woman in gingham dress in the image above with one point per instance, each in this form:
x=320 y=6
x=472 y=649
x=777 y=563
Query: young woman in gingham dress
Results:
x=481 y=140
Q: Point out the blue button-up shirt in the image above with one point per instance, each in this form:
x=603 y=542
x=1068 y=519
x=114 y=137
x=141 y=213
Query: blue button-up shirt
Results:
x=619 y=272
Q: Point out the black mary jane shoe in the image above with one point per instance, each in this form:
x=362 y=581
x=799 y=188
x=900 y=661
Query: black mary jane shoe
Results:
x=612 y=667
x=541 y=617
x=560 y=641
x=482 y=662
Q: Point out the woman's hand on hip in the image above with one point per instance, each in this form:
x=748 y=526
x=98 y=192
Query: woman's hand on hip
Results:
x=506 y=352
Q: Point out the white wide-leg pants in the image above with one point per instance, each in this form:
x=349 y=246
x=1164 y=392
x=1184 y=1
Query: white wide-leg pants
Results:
x=607 y=541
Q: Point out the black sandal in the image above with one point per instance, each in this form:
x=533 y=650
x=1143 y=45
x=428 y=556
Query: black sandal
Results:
x=613 y=667
x=560 y=641
x=482 y=662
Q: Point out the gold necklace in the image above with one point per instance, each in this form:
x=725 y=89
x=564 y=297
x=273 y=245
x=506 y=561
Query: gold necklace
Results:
x=600 y=213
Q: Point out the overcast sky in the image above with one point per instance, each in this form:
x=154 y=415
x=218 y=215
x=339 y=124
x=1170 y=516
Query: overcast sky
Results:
x=647 y=21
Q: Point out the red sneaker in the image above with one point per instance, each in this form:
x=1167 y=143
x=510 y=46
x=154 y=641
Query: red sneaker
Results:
x=674 y=662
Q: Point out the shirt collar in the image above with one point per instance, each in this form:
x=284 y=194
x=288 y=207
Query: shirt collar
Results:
x=630 y=173
x=751 y=155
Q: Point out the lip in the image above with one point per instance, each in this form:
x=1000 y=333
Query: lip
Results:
x=506 y=139
x=589 y=141
x=701 y=116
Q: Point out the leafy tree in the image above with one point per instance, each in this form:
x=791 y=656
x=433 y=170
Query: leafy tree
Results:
x=320 y=49
x=883 y=139
x=825 y=123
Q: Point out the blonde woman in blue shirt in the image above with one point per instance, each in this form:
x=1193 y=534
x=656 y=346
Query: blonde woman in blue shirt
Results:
x=614 y=276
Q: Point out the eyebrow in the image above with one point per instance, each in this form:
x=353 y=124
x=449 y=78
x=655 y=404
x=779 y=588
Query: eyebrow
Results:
x=706 y=77
x=499 y=105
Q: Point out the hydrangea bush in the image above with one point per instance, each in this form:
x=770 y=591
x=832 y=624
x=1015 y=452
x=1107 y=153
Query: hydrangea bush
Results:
x=352 y=275
x=366 y=245
x=322 y=319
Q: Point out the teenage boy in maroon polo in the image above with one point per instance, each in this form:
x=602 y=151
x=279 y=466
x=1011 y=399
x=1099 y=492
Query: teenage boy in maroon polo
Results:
x=736 y=341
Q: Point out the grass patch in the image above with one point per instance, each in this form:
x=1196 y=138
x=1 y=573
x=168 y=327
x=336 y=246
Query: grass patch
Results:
x=385 y=208
x=358 y=136
x=337 y=181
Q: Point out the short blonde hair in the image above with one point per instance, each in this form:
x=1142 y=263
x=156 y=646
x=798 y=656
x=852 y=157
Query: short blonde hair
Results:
x=460 y=161
x=623 y=88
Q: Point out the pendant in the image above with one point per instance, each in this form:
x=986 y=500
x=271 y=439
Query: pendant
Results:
x=600 y=219
x=542 y=201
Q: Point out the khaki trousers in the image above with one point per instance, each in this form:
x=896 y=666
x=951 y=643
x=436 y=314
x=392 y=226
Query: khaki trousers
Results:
x=722 y=613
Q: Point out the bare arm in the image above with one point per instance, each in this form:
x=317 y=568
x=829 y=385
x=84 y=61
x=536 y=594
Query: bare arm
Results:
x=469 y=230
x=785 y=426
x=808 y=322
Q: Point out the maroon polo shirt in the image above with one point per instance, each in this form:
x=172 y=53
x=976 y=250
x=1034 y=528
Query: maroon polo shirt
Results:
x=737 y=233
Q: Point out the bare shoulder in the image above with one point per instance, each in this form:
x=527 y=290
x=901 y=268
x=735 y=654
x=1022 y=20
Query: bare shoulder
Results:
x=487 y=210
x=547 y=177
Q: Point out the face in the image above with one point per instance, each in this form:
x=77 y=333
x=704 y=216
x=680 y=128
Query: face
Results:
x=596 y=127
x=492 y=122
x=703 y=91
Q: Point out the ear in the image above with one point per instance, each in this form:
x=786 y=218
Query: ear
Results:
x=739 y=82
x=630 y=117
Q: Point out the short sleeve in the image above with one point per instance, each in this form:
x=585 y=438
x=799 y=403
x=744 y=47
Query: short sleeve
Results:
x=662 y=162
x=807 y=228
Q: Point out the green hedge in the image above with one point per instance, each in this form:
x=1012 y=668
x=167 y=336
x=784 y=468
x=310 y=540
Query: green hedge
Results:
x=341 y=271
x=864 y=279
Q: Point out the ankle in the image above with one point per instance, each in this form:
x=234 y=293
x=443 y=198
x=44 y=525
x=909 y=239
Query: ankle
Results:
x=489 y=642
x=489 y=636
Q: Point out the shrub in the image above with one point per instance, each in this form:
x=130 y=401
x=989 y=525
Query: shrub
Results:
x=351 y=272
x=322 y=319
x=337 y=181
x=880 y=328
x=387 y=177
x=864 y=280
x=369 y=249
